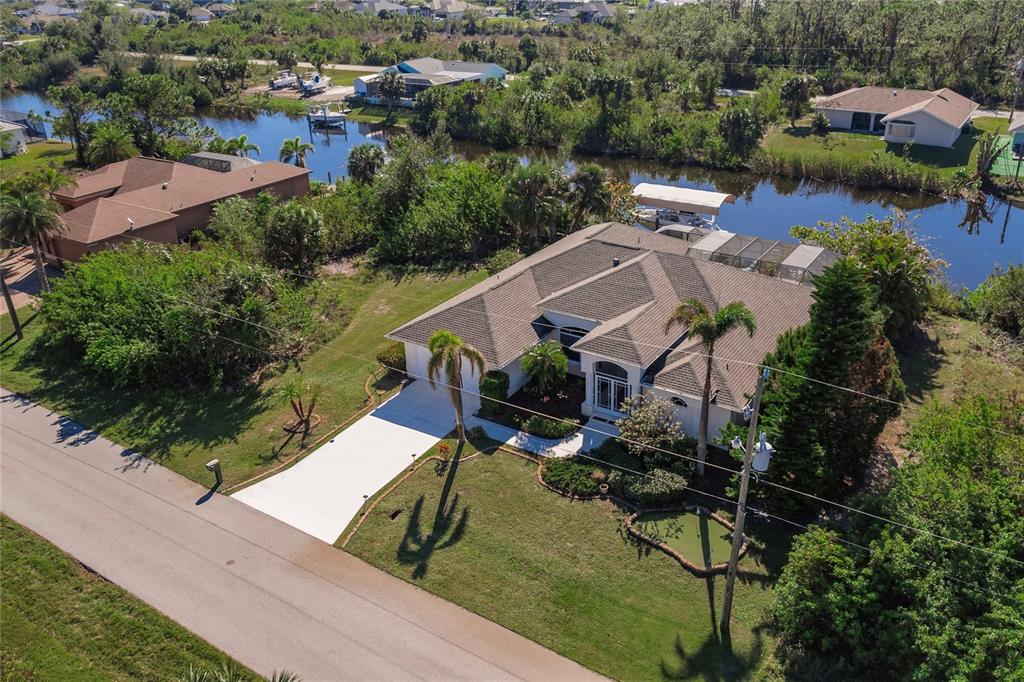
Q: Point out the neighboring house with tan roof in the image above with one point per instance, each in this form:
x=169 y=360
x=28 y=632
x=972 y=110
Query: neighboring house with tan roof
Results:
x=604 y=294
x=935 y=118
x=159 y=200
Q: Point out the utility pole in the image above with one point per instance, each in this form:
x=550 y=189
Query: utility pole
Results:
x=741 y=509
x=10 y=306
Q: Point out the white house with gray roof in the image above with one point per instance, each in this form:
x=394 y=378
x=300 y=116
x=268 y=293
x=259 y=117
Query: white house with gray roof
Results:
x=935 y=118
x=605 y=294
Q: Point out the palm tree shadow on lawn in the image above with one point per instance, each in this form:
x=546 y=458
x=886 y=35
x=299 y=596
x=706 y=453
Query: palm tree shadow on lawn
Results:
x=417 y=549
x=713 y=661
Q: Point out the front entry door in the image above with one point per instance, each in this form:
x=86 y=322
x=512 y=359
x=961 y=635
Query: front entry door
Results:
x=610 y=393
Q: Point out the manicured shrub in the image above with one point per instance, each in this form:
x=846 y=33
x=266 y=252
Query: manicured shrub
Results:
x=658 y=489
x=502 y=259
x=819 y=123
x=393 y=357
x=493 y=387
x=545 y=427
x=572 y=476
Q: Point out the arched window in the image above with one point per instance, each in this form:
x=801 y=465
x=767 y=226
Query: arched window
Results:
x=610 y=369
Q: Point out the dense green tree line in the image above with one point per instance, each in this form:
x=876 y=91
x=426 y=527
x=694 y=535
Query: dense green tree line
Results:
x=913 y=606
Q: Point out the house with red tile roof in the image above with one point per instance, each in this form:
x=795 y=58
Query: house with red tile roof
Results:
x=160 y=200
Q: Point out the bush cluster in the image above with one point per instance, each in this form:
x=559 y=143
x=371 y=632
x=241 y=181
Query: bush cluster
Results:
x=572 y=476
x=659 y=488
x=545 y=427
x=392 y=356
x=493 y=385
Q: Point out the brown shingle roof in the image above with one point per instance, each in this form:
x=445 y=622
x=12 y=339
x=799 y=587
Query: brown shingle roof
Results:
x=631 y=302
x=944 y=104
x=139 y=183
x=106 y=218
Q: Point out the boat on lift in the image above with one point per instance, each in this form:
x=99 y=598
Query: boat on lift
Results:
x=679 y=211
x=316 y=83
x=284 y=79
x=327 y=115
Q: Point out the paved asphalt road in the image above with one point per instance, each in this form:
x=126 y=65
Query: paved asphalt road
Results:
x=267 y=594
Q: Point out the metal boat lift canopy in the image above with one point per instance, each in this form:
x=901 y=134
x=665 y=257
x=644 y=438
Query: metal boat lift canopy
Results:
x=681 y=198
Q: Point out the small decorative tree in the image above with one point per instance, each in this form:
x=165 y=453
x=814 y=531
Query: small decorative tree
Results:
x=651 y=423
x=303 y=397
x=546 y=365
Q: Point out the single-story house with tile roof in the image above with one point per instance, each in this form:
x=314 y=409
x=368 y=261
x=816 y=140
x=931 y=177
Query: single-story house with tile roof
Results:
x=200 y=16
x=935 y=118
x=605 y=294
x=425 y=72
x=159 y=200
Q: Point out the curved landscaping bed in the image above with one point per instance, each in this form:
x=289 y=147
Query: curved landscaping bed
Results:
x=672 y=545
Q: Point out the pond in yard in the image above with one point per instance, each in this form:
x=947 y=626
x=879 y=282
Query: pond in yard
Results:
x=698 y=537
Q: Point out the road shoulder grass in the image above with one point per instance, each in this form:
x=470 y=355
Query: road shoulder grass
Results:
x=63 y=622
x=183 y=429
x=565 y=574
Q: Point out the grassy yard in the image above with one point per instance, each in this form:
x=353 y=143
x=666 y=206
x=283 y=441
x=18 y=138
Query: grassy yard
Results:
x=847 y=145
x=63 y=622
x=565 y=574
x=39 y=154
x=373 y=114
x=183 y=429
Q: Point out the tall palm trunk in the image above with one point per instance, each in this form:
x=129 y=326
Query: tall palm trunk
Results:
x=40 y=267
x=456 y=391
x=705 y=407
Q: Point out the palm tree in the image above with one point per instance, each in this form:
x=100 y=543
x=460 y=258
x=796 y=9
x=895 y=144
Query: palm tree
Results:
x=546 y=365
x=710 y=327
x=110 y=143
x=48 y=179
x=295 y=150
x=240 y=146
x=447 y=353
x=391 y=87
x=30 y=217
x=532 y=199
x=364 y=162
x=590 y=193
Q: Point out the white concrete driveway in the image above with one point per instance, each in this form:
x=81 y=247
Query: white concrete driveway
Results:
x=323 y=492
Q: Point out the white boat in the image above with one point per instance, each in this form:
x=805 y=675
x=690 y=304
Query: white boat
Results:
x=327 y=115
x=284 y=79
x=314 y=84
x=681 y=209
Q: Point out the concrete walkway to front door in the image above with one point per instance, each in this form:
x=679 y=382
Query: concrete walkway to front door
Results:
x=324 y=491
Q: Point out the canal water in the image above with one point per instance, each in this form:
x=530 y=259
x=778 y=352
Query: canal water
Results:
x=972 y=239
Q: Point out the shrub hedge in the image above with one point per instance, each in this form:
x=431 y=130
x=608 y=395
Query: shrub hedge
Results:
x=393 y=356
x=493 y=385
x=659 y=488
x=572 y=476
x=544 y=427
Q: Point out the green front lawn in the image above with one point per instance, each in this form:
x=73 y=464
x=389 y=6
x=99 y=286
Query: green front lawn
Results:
x=846 y=145
x=63 y=622
x=566 y=575
x=372 y=114
x=183 y=429
x=39 y=154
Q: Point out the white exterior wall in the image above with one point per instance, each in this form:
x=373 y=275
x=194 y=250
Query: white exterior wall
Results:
x=560 y=320
x=928 y=130
x=689 y=415
x=838 y=119
x=416 y=359
x=516 y=378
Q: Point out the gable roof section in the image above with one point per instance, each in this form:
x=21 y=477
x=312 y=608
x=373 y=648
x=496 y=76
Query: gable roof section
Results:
x=944 y=104
x=105 y=218
x=631 y=302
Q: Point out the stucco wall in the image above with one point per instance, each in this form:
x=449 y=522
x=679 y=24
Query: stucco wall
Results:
x=689 y=414
x=838 y=119
x=587 y=362
x=69 y=250
x=928 y=131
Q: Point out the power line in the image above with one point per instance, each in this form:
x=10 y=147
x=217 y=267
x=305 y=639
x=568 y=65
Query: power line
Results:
x=584 y=427
x=689 y=351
